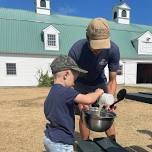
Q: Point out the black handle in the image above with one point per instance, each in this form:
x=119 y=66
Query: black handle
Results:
x=111 y=106
x=120 y=96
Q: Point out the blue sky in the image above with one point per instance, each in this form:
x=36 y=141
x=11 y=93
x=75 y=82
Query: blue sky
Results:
x=140 y=9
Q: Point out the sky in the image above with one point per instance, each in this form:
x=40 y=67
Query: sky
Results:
x=140 y=9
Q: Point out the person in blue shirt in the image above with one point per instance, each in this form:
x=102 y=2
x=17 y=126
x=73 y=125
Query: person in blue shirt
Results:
x=93 y=54
x=59 y=105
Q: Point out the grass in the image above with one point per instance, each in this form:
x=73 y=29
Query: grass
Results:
x=22 y=121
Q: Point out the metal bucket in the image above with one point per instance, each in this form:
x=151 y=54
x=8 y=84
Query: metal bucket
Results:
x=97 y=119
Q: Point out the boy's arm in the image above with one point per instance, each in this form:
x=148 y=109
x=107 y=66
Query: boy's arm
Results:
x=88 y=98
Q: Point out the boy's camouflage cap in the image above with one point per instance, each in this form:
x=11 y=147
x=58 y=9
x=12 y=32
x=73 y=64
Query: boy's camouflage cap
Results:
x=64 y=62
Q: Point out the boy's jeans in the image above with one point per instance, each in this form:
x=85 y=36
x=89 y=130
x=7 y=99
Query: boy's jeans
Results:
x=56 y=147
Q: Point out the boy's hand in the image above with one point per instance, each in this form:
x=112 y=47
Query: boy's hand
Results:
x=105 y=106
x=85 y=107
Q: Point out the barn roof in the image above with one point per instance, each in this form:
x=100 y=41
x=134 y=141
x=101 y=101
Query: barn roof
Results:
x=21 y=33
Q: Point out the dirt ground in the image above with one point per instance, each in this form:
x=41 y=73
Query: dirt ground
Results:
x=22 y=121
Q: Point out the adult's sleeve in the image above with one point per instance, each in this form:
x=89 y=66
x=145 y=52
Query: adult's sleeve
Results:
x=74 y=52
x=114 y=59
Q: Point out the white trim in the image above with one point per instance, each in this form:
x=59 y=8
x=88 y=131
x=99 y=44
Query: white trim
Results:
x=144 y=45
x=135 y=61
x=51 y=27
x=43 y=10
x=120 y=19
x=124 y=5
x=52 y=31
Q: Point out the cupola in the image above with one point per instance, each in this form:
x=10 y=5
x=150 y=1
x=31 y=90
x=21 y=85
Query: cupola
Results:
x=121 y=13
x=43 y=7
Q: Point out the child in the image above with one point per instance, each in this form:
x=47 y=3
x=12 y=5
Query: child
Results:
x=59 y=105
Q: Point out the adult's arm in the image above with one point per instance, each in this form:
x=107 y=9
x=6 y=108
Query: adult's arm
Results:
x=112 y=84
x=113 y=66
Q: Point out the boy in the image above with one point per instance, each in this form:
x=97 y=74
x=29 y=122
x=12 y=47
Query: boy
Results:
x=59 y=105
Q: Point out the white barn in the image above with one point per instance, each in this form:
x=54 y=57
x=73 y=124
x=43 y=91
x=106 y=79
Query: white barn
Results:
x=29 y=41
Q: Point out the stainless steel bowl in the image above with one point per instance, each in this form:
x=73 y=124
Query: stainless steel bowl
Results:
x=98 y=120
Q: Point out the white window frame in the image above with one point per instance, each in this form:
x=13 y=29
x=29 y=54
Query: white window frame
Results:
x=51 y=31
x=14 y=73
x=145 y=44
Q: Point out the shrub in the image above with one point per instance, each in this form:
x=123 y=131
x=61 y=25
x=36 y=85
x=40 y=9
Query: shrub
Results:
x=44 y=80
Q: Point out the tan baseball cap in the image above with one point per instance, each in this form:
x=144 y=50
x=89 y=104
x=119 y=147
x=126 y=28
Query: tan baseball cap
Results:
x=99 y=33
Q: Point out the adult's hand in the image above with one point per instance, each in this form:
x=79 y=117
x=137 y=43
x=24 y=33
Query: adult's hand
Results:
x=110 y=108
x=83 y=107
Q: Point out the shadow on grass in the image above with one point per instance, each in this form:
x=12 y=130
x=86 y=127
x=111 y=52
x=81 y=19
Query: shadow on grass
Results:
x=149 y=146
x=135 y=149
x=147 y=132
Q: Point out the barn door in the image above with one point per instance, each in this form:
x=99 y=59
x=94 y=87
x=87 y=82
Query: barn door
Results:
x=144 y=73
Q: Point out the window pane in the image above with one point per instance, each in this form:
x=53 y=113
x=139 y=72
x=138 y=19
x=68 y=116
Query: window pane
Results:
x=51 y=40
x=43 y=3
x=124 y=14
x=11 y=68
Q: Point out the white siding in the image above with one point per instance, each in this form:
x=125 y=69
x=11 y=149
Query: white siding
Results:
x=120 y=78
x=130 y=72
x=26 y=69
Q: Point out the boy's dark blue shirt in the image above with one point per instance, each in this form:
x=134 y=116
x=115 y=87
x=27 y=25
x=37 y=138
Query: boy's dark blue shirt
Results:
x=94 y=63
x=59 y=111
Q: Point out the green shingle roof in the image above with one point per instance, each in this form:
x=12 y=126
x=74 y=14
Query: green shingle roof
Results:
x=21 y=33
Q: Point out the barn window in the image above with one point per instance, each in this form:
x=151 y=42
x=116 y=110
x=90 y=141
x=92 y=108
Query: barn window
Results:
x=11 y=68
x=51 y=39
x=43 y=3
x=120 y=70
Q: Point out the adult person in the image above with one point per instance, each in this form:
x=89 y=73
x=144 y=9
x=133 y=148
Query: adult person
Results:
x=59 y=105
x=93 y=54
